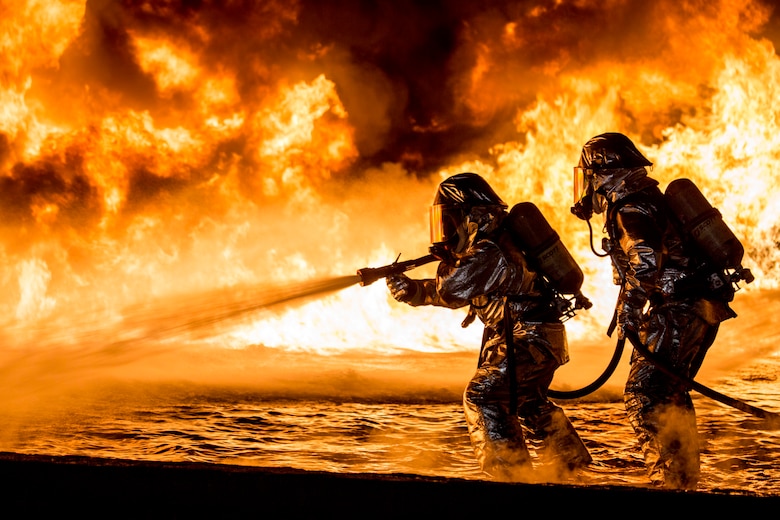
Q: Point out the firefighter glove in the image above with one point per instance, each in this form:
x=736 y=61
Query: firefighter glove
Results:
x=402 y=288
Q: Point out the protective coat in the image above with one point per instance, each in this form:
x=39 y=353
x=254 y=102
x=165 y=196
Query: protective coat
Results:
x=507 y=396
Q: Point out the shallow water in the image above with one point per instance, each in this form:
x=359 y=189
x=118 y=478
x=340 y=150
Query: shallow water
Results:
x=362 y=411
x=169 y=422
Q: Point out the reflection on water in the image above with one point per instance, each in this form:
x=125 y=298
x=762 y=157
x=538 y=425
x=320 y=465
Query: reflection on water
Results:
x=426 y=436
x=363 y=410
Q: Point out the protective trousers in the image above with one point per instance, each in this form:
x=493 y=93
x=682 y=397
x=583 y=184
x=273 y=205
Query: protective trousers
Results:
x=660 y=408
x=497 y=419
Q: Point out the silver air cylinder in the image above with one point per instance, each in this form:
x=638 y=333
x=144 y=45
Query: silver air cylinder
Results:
x=544 y=249
x=704 y=224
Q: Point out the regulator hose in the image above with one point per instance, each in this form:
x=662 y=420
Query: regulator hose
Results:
x=598 y=382
x=773 y=419
x=590 y=233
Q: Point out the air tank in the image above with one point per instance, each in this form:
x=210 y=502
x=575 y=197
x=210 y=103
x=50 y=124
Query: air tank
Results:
x=544 y=249
x=704 y=224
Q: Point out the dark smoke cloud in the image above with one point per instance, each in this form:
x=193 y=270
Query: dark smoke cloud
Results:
x=102 y=59
x=398 y=65
x=31 y=187
x=403 y=69
x=408 y=72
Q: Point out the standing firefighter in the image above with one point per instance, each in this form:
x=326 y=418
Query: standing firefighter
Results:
x=481 y=267
x=666 y=301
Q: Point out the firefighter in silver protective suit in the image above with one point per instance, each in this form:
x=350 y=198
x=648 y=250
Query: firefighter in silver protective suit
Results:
x=481 y=268
x=661 y=302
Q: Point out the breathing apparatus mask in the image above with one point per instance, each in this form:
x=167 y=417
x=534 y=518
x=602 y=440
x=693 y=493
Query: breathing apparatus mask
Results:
x=464 y=205
x=587 y=200
x=444 y=223
x=603 y=158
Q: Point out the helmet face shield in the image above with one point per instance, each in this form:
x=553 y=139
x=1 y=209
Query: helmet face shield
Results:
x=583 y=193
x=444 y=223
x=605 y=161
x=464 y=204
x=582 y=178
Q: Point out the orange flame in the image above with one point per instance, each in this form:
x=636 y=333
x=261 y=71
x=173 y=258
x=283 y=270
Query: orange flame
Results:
x=164 y=150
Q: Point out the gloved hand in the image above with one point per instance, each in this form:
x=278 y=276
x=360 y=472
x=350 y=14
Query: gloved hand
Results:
x=629 y=319
x=402 y=288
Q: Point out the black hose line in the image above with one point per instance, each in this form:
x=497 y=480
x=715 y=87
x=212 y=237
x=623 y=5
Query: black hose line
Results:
x=773 y=419
x=590 y=233
x=597 y=383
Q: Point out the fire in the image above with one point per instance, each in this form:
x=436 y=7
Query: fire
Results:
x=171 y=67
x=162 y=151
x=34 y=277
x=300 y=145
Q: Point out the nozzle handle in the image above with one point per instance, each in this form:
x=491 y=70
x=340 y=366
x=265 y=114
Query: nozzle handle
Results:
x=369 y=275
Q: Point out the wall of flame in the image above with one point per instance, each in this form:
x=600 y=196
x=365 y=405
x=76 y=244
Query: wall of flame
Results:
x=151 y=151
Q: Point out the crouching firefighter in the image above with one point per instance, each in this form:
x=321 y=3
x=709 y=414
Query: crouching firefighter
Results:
x=672 y=300
x=524 y=339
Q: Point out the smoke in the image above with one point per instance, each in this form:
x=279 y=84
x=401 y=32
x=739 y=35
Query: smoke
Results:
x=425 y=84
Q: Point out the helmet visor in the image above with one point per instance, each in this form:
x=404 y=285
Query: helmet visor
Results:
x=444 y=223
x=582 y=178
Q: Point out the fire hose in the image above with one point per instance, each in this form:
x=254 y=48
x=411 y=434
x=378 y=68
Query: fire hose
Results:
x=370 y=275
x=598 y=382
x=772 y=419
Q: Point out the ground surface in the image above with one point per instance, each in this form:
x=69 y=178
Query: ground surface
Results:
x=110 y=488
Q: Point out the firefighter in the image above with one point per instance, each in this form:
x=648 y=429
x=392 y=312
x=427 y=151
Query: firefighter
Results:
x=524 y=339
x=662 y=302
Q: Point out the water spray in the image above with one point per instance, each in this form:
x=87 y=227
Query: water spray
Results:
x=269 y=299
x=364 y=277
